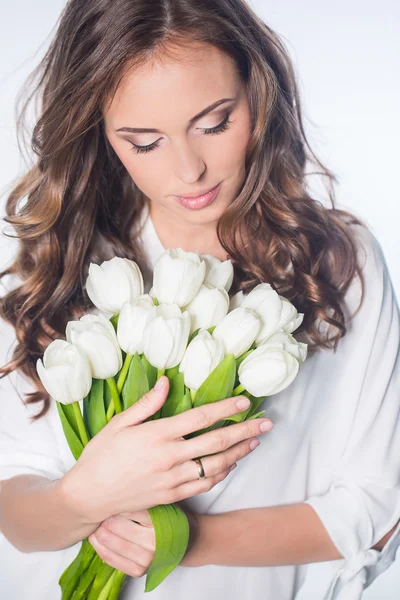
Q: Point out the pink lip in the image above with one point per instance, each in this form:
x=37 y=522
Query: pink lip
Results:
x=199 y=201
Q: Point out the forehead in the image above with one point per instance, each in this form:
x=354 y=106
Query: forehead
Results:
x=182 y=81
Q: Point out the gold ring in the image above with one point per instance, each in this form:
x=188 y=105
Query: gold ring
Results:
x=199 y=467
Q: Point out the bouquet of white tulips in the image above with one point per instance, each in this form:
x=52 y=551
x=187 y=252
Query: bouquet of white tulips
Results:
x=210 y=347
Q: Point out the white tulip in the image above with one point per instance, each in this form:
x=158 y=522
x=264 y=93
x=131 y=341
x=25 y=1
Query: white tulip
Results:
x=131 y=322
x=65 y=372
x=285 y=341
x=165 y=335
x=265 y=301
x=96 y=336
x=177 y=276
x=236 y=300
x=113 y=283
x=238 y=330
x=219 y=273
x=267 y=370
x=201 y=357
x=208 y=307
x=290 y=318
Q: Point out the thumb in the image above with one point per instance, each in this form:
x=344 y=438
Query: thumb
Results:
x=147 y=405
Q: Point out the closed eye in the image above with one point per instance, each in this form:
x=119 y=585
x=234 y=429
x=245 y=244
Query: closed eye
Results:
x=223 y=126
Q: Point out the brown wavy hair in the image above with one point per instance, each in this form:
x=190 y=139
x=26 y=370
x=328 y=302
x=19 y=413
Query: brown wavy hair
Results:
x=78 y=193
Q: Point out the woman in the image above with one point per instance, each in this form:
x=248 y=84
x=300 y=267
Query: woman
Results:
x=146 y=104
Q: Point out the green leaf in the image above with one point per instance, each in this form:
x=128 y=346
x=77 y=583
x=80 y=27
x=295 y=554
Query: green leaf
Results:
x=96 y=415
x=185 y=404
x=171 y=528
x=256 y=401
x=150 y=371
x=70 y=577
x=70 y=416
x=114 y=321
x=87 y=578
x=107 y=397
x=219 y=383
x=174 y=402
x=100 y=581
x=194 y=334
x=136 y=383
x=73 y=440
x=257 y=415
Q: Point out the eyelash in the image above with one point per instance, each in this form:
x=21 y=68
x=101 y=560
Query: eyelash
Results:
x=212 y=130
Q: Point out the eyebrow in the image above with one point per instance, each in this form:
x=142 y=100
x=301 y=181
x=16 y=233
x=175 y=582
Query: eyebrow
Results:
x=205 y=111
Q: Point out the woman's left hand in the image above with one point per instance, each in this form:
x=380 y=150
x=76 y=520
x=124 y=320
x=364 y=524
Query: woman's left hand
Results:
x=124 y=544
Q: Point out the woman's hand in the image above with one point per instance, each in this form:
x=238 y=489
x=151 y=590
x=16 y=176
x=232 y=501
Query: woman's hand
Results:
x=126 y=542
x=134 y=463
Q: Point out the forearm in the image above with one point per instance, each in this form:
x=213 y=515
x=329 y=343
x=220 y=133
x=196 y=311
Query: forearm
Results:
x=273 y=536
x=37 y=514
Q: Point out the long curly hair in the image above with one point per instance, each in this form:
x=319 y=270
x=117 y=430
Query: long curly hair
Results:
x=77 y=194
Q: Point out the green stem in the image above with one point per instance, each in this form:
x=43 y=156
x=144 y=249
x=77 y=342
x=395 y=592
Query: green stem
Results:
x=124 y=372
x=118 y=580
x=81 y=425
x=107 y=588
x=115 y=395
x=238 y=390
x=160 y=373
x=156 y=302
x=110 y=411
x=192 y=395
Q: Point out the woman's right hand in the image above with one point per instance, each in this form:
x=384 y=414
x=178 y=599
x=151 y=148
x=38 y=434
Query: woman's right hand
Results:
x=131 y=465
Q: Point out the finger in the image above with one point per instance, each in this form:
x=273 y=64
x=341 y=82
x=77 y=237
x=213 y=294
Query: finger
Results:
x=146 y=406
x=219 y=440
x=201 y=417
x=132 y=532
x=141 y=516
x=117 y=561
x=194 y=487
x=212 y=465
x=125 y=548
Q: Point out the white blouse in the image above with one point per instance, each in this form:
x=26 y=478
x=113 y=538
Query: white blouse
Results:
x=335 y=445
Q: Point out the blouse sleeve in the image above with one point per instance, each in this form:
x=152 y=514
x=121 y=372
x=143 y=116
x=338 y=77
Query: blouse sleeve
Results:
x=26 y=446
x=362 y=502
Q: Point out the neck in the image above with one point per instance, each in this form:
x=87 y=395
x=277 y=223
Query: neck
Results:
x=176 y=233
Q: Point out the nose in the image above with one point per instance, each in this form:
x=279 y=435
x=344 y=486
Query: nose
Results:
x=188 y=165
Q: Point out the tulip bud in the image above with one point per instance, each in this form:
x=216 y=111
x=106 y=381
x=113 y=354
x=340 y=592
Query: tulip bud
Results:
x=290 y=318
x=177 y=276
x=237 y=330
x=285 y=341
x=267 y=370
x=208 y=307
x=265 y=301
x=131 y=323
x=96 y=336
x=201 y=357
x=113 y=283
x=65 y=372
x=219 y=274
x=165 y=335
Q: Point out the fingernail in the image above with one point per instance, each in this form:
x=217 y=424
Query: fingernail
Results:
x=254 y=444
x=233 y=467
x=266 y=426
x=159 y=384
x=243 y=403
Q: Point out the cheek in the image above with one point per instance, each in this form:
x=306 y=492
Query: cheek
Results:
x=141 y=168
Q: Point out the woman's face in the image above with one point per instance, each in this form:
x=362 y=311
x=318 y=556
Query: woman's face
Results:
x=182 y=158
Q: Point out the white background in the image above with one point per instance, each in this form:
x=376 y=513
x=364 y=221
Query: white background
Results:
x=347 y=57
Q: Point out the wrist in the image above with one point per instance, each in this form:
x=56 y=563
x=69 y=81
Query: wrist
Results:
x=70 y=494
x=197 y=551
